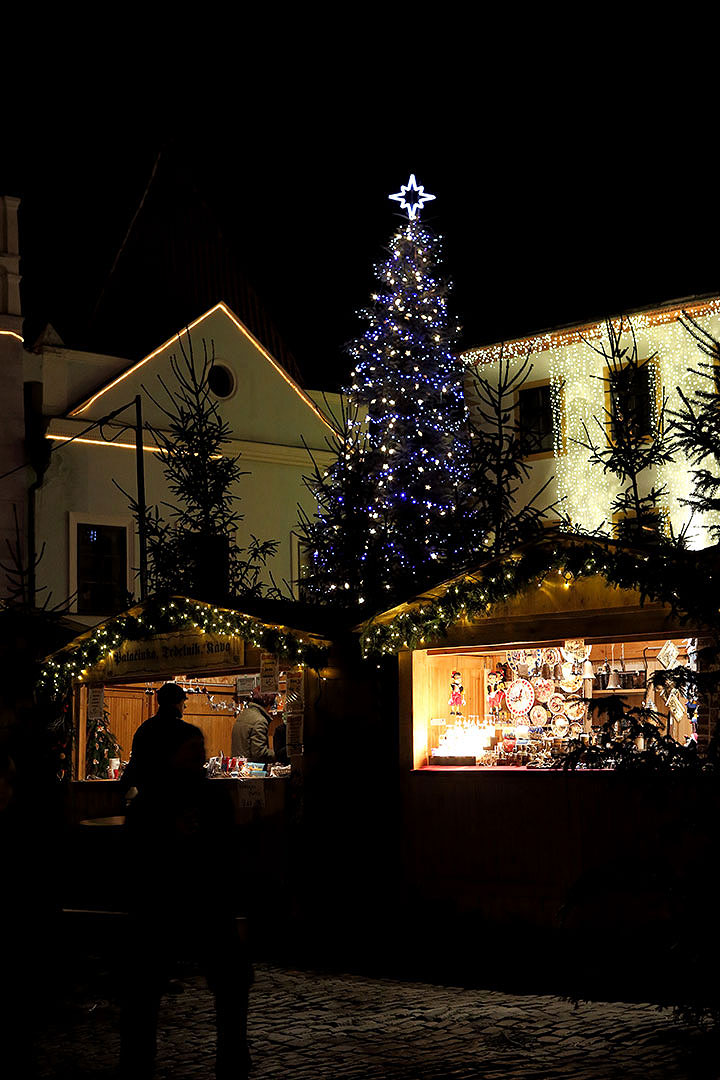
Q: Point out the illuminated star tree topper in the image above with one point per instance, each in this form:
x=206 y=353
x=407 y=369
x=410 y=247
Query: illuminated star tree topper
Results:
x=411 y=197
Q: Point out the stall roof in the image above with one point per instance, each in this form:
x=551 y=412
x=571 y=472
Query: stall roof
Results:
x=157 y=616
x=664 y=578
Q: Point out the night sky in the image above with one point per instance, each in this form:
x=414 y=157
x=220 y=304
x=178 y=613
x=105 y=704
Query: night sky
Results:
x=551 y=215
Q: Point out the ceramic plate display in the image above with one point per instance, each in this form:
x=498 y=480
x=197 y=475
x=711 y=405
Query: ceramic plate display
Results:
x=576 y=729
x=519 y=696
x=556 y=703
x=538 y=715
x=571 y=685
x=560 y=726
x=543 y=688
x=575 y=710
x=515 y=657
x=551 y=657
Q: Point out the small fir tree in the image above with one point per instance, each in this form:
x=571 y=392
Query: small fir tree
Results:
x=500 y=445
x=389 y=509
x=696 y=429
x=202 y=477
x=101 y=747
x=632 y=438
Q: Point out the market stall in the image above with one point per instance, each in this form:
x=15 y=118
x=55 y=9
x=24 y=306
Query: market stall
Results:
x=223 y=659
x=492 y=675
x=520 y=705
x=502 y=673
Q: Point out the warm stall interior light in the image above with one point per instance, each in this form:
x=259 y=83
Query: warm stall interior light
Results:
x=11 y=333
x=467 y=739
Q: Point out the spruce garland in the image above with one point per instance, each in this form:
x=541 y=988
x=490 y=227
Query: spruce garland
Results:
x=671 y=576
x=162 y=615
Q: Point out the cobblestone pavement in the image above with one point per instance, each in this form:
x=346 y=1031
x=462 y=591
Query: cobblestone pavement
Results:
x=311 y=1026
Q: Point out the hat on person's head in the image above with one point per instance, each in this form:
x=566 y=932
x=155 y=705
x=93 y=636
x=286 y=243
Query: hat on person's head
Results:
x=170 y=694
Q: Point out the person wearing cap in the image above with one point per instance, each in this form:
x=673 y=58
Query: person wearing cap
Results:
x=161 y=742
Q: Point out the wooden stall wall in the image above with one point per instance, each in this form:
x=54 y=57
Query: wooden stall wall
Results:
x=127 y=707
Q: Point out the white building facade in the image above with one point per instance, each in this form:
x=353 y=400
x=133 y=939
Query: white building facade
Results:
x=568 y=383
x=84 y=535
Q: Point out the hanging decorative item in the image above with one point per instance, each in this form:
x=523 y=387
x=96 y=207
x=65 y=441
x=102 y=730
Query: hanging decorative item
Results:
x=543 y=688
x=575 y=709
x=551 y=657
x=571 y=684
x=560 y=726
x=675 y=705
x=556 y=703
x=538 y=715
x=668 y=654
x=517 y=658
x=519 y=697
x=575 y=649
x=456 y=701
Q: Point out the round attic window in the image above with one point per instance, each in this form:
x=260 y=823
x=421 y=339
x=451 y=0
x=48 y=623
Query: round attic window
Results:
x=221 y=381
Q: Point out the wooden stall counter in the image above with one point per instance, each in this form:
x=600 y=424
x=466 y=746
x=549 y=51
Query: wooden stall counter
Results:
x=252 y=797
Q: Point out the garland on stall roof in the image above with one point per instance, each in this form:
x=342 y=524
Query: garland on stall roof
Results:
x=163 y=616
x=673 y=576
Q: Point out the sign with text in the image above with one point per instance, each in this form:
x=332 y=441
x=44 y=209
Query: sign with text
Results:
x=268 y=673
x=173 y=654
x=245 y=684
x=249 y=794
x=295 y=690
x=96 y=703
x=294 y=736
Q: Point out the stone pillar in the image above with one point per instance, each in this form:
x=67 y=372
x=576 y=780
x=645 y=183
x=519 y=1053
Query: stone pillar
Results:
x=13 y=487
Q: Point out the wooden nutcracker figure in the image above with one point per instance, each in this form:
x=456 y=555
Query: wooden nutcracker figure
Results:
x=456 y=701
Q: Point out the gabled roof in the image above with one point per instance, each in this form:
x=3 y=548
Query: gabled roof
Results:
x=84 y=407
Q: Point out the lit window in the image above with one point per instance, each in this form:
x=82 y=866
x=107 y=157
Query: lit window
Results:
x=535 y=418
x=629 y=392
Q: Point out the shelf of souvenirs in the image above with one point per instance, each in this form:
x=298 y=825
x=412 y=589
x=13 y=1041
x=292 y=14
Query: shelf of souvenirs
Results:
x=506 y=740
x=524 y=705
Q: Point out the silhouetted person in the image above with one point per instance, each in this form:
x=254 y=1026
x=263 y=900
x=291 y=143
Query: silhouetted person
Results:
x=28 y=915
x=157 y=740
x=249 y=737
x=180 y=859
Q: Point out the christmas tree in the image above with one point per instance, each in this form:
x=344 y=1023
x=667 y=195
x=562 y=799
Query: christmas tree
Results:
x=388 y=509
x=101 y=747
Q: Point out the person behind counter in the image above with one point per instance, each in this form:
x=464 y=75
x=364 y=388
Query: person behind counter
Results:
x=250 y=732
